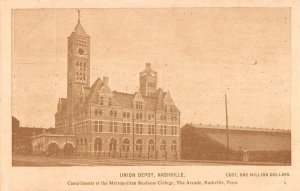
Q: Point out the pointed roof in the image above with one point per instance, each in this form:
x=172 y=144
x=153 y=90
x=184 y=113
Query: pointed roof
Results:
x=148 y=71
x=78 y=30
x=95 y=87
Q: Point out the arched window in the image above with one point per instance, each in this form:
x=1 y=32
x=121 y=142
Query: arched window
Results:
x=98 y=144
x=150 y=145
x=173 y=145
x=113 y=144
x=163 y=145
x=126 y=144
x=139 y=145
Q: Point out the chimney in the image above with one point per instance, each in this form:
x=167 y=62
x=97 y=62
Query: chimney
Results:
x=148 y=66
x=105 y=80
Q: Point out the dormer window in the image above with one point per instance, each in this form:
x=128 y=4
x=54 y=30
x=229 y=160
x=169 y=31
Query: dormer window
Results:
x=139 y=105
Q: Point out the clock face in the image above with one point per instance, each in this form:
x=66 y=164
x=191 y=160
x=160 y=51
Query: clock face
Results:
x=81 y=51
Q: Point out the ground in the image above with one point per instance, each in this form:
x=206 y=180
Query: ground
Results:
x=29 y=160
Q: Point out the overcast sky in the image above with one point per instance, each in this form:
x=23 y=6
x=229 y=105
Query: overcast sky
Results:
x=199 y=54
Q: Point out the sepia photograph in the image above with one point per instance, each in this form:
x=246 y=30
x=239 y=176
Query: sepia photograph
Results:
x=151 y=86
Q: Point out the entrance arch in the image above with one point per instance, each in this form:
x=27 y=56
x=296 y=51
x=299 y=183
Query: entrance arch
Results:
x=68 y=149
x=53 y=149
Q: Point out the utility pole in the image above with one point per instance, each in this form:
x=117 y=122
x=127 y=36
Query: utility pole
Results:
x=227 y=127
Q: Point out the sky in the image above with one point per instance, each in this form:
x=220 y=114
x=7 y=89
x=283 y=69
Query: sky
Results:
x=199 y=53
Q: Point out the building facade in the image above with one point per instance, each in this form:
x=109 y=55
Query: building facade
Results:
x=108 y=123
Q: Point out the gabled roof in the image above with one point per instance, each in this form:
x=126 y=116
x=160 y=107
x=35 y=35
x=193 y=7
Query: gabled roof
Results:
x=124 y=99
x=94 y=89
x=138 y=96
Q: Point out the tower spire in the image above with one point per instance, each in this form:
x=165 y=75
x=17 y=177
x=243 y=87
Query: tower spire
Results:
x=78 y=15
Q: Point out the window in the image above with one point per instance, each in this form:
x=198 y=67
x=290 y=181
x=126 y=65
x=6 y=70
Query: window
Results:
x=96 y=112
x=150 y=145
x=171 y=108
x=163 y=117
x=173 y=145
x=111 y=113
x=139 y=105
x=113 y=126
x=163 y=145
x=97 y=126
x=126 y=115
x=100 y=112
x=139 y=129
x=139 y=116
x=126 y=127
x=173 y=130
x=98 y=144
x=126 y=144
x=113 y=144
x=150 y=129
x=115 y=113
x=163 y=130
x=109 y=101
x=139 y=145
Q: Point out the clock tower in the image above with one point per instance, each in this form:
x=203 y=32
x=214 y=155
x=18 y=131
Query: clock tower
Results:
x=78 y=68
x=148 y=81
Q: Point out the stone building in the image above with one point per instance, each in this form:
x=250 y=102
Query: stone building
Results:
x=109 y=123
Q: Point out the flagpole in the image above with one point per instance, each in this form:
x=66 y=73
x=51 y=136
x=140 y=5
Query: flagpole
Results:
x=227 y=127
